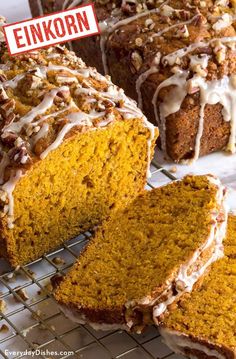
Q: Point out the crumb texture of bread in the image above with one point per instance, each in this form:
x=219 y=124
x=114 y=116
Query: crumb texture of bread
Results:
x=73 y=148
x=204 y=325
x=177 y=59
x=138 y=258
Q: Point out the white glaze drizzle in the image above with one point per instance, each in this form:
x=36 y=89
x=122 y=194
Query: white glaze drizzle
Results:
x=172 y=57
x=168 y=28
x=38 y=110
x=54 y=114
x=178 y=341
x=172 y=102
x=8 y=188
x=75 y=119
x=43 y=70
x=80 y=318
x=41 y=134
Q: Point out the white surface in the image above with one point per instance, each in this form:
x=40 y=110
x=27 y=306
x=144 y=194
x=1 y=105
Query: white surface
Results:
x=220 y=164
x=15 y=10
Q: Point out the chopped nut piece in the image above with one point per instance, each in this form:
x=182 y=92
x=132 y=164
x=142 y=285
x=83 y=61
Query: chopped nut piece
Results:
x=182 y=31
x=149 y=24
x=167 y=10
x=138 y=41
x=4 y=328
x=180 y=286
x=36 y=315
x=2 y=78
x=183 y=14
x=7 y=107
x=3 y=95
x=56 y=280
x=11 y=277
x=22 y=294
x=3 y=305
x=58 y=261
x=173 y=169
x=9 y=138
x=136 y=60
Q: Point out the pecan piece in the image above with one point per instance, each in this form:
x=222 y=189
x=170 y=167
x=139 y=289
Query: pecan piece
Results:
x=3 y=95
x=9 y=138
x=3 y=78
x=7 y=107
x=136 y=61
x=19 y=154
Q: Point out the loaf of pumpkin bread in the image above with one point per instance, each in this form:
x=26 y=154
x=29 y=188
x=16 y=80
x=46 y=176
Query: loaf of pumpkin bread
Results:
x=177 y=58
x=73 y=148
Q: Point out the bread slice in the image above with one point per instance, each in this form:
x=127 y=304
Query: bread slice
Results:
x=204 y=325
x=73 y=148
x=147 y=255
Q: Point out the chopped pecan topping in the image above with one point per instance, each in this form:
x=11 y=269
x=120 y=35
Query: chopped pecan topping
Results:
x=9 y=138
x=136 y=61
x=19 y=154
x=3 y=95
x=6 y=109
x=182 y=31
x=22 y=294
x=3 y=78
x=199 y=20
x=56 y=280
x=62 y=96
x=183 y=14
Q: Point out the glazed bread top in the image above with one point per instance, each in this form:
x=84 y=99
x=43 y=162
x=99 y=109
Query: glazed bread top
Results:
x=45 y=97
x=184 y=50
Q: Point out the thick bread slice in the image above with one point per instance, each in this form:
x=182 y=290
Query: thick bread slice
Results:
x=204 y=325
x=146 y=256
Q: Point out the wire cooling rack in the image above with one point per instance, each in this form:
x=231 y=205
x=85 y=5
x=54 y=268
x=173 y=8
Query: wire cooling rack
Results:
x=31 y=324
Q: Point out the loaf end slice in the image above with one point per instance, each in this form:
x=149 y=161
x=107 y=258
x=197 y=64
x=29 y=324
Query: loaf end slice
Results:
x=204 y=325
x=144 y=258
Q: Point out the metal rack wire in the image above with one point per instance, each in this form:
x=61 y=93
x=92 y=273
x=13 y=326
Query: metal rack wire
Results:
x=31 y=321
